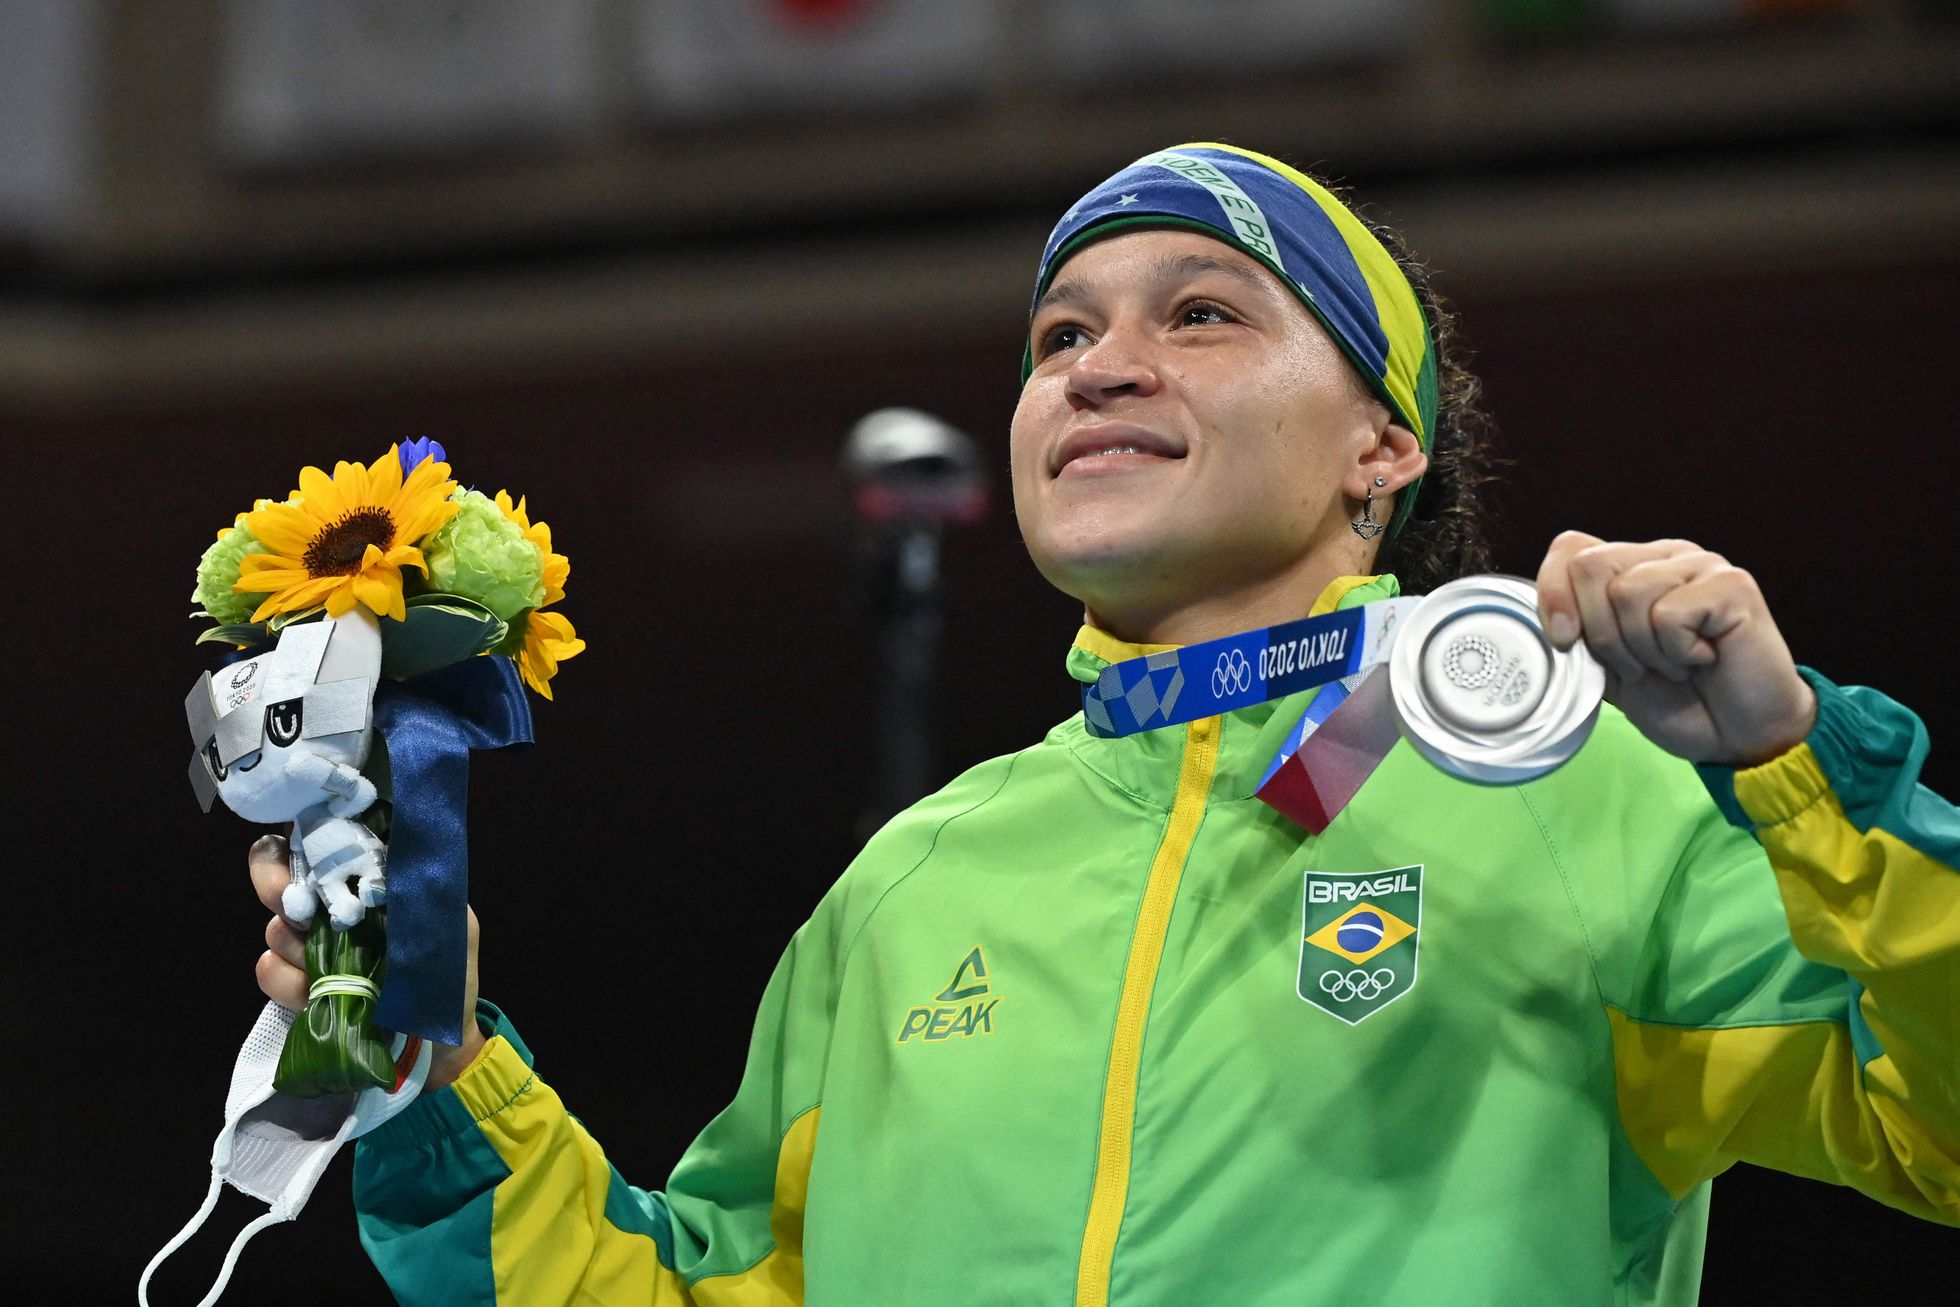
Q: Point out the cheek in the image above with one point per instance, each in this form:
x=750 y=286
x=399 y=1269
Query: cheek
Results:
x=1038 y=415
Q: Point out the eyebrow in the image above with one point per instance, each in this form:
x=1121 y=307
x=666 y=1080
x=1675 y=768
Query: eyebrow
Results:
x=1168 y=268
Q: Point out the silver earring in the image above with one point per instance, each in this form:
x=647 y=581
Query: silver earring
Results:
x=1366 y=526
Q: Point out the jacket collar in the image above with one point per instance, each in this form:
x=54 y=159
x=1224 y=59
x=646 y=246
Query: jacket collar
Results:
x=1146 y=764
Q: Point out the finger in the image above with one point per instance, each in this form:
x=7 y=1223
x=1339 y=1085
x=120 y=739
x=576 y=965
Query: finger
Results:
x=1691 y=618
x=1557 y=607
x=1591 y=571
x=1634 y=594
x=287 y=942
x=282 y=982
x=272 y=871
x=470 y=979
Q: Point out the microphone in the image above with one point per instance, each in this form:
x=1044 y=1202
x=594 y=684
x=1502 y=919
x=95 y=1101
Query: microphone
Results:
x=913 y=469
x=913 y=476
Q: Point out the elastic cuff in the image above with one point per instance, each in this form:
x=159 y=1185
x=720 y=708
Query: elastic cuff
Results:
x=490 y=1019
x=1782 y=787
x=1856 y=750
x=1777 y=790
x=489 y=1084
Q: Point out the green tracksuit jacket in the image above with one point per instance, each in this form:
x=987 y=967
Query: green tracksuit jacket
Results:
x=1094 y=1024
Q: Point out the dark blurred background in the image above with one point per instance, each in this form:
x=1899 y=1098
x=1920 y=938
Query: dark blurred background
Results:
x=647 y=262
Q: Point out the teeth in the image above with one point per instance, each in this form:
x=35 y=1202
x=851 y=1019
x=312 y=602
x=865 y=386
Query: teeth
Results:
x=1119 y=449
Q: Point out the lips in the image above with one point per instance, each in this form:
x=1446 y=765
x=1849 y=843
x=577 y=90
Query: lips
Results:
x=1112 y=440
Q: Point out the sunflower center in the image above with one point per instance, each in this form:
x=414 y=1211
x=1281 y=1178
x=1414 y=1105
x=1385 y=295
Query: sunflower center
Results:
x=338 y=550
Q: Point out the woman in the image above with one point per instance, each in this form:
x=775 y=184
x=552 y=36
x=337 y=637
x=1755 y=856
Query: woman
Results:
x=1097 y=1022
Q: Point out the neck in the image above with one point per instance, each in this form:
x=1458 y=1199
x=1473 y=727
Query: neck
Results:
x=1262 y=601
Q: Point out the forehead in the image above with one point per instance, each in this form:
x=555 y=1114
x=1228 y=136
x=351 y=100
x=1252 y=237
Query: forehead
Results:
x=1156 y=257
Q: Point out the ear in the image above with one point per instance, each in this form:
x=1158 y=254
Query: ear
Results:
x=355 y=649
x=1396 y=457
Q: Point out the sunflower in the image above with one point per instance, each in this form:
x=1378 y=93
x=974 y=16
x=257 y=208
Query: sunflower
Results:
x=548 y=640
x=557 y=567
x=345 y=538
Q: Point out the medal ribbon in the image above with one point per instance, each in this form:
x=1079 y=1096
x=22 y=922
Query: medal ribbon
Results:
x=1237 y=671
x=431 y=723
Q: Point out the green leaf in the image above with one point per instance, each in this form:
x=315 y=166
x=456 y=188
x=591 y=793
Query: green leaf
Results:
x=436 y=635
x=436 y=598
x=250 y=633
x=280 y=621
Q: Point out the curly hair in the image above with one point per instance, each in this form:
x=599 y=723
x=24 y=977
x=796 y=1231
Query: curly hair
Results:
x=1447 y=534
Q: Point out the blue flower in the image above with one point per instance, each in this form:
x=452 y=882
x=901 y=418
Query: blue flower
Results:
x=416 y=451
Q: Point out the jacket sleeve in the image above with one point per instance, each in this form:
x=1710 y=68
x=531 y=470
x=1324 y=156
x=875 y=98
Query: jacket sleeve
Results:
x=489 y=1191
x=1812 y=1027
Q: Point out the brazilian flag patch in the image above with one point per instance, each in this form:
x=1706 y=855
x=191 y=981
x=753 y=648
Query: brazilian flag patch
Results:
x=1358 y=939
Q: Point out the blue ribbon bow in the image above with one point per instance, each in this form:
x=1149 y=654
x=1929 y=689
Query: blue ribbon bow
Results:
x=431 y=722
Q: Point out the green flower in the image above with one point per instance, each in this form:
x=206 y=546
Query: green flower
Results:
x=216 y=572
x=480 y=554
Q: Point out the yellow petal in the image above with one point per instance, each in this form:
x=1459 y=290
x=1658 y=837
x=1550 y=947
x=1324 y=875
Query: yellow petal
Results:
x=557 y=570
x=268 y=582
x=284 y=529
x=324 y=496
x=422 y=522
x=310 y=592
x=429 y=480
x=406 y=556
x=270 y=562
x=536 y=668
x=381 y=590
x=384 y=477
x=356 y=486
x=295 y=598
x=531 y=679
x=342 y=598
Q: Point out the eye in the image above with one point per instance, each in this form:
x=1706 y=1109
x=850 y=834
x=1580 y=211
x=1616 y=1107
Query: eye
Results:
x=282 y=721
x=1065 y=336
x=1203 y=313
x=212 y=762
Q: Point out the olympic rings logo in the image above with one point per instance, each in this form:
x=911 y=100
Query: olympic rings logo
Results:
x=1232 y=675
x=1342 y=986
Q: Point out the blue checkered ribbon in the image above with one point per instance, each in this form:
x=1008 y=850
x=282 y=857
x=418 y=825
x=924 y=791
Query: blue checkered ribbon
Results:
x=1237 y=671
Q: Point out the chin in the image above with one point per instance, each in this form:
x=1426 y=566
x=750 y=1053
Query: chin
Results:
x=1100 y=566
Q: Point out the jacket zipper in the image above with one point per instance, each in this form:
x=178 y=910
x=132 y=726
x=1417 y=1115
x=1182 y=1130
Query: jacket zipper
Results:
x=1112 y=1185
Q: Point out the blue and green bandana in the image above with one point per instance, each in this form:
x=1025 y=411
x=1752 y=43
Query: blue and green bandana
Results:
x=1293 y=225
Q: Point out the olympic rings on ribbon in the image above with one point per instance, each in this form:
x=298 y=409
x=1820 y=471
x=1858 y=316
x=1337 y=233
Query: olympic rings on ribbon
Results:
x=1232 y=675
x=1355 y=984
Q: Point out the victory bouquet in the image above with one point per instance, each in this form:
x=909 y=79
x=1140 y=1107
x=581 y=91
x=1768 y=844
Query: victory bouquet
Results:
x=377 y=625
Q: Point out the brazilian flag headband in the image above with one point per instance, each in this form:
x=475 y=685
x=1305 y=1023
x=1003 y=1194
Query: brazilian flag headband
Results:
x=1294 y=226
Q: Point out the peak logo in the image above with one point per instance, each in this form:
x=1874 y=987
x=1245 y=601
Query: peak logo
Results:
x=965 y=1007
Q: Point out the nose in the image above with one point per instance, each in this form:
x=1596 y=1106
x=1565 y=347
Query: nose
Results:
x=1117 y=364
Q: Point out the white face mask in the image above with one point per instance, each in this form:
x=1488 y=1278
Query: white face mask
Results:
x=275 y=1147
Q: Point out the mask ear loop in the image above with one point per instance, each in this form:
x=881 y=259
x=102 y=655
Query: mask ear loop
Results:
x=190 y=1228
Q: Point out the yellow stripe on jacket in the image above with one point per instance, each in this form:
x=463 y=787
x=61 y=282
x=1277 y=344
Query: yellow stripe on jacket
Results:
x=1872 y=1101
x=539 y=1256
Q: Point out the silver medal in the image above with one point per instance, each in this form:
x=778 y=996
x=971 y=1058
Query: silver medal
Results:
x=1479 y=690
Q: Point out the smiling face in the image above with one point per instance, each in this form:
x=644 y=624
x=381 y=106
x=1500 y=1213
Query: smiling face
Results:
x=1191 y=445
